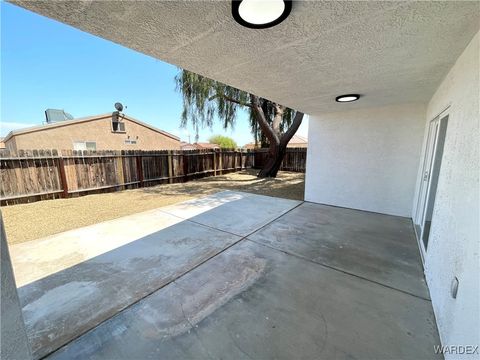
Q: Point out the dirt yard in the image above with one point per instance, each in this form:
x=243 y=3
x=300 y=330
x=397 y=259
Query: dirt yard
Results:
x=39 y=219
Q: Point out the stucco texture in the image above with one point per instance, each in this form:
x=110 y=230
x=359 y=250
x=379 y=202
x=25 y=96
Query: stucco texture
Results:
x=454 y=241
x=14 y=343
x=389 y=51
x=365 y=159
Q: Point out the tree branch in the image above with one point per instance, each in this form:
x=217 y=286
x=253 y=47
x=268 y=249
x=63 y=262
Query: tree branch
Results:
x=262 y=121
x=228 y=98
x=297 y=121
x=277 y=119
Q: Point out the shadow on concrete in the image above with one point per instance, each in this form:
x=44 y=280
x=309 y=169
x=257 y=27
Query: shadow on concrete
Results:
x=63 y=305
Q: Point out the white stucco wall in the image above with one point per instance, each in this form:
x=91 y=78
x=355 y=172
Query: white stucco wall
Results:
x=365 y=159
x=455 y=239
x=14 y=343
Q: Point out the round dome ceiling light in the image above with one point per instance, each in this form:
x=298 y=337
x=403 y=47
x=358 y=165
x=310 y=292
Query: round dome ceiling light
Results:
x=347 y=98
x=260 y=14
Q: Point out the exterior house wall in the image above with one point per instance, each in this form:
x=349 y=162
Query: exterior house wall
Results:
x=14 y=344
x=98 y=130
x=365 y=159
x=454 y=242
x=11 y=144
x=297 y=145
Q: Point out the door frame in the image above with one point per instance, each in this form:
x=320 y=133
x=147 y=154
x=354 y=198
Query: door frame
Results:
x=424 y=189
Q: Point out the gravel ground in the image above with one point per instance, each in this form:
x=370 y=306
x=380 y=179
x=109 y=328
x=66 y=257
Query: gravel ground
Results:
x=39 y=219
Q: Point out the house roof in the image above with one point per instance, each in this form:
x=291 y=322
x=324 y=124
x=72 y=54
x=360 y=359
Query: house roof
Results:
x=198 y=146
x=297 y=139
x=187 y=146
x=391 y=52
x=250 y=145
x=82 y=120
x=204 y=145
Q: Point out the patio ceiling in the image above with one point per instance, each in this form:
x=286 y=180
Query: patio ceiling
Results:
x=390 y=52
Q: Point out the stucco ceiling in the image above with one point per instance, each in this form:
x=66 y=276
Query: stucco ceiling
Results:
x=390 y=52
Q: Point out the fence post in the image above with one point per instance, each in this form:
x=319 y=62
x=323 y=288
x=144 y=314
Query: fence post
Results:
x=170 y=166
x=63 y=176
x=119 y=167
x=220 y=161
x=139 y=169
x=214 y=151
x=185 y=166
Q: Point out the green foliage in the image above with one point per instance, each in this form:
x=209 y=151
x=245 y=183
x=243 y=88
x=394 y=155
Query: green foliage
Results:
x=205 y=99
x=223 y=141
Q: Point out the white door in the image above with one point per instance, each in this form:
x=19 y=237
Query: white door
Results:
x=430 y=172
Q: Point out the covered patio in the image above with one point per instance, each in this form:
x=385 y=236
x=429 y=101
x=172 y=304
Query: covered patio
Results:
x=232 y=273
x=338 y=276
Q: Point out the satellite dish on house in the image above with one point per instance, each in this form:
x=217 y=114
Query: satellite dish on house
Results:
x=57 y=115
x=118 y=106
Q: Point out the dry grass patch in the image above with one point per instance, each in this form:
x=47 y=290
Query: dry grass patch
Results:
x=36 y=220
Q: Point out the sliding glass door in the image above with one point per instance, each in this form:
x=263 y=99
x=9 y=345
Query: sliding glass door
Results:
x=432 y=162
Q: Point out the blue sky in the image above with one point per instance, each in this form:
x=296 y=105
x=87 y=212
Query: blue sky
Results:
x=47 y=64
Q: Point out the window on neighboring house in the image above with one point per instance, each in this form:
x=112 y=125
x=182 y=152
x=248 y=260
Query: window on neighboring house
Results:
x=84 y=145
x=118 y=126
x=130 y=142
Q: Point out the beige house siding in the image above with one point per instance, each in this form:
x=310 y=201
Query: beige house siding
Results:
x=297 y=145
x=98 y=130
x=298 y=141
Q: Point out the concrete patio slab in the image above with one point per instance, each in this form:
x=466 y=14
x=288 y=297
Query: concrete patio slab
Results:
x=63 y=305
x=39 y=258
x=185 y=282
x=73 y=281
x=235 y=212
x=255 y=302
x=380 y=248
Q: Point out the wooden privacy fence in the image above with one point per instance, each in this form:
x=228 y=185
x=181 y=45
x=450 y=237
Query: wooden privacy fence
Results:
x=43 y=174
x=295 y=159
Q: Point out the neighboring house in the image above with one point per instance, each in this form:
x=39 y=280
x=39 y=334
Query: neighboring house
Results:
x=202 y=145
x=296 y=141
x=198 y=146
x=250 y=146
x=187 y=146
x=112 y=131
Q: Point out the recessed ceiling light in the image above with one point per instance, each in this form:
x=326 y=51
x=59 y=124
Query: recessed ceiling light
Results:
x=347 y=98
x=260 y=14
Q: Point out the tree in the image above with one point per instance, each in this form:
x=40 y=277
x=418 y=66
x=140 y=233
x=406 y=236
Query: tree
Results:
x=223 y=141
x=204 y=98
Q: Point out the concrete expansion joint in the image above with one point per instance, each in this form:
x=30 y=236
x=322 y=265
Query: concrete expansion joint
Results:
x=177 y=277
x=231 y=233
x=339 y=270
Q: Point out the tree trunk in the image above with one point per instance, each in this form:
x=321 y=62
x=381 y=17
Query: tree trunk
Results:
x=278 y=144
x=276 y=153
